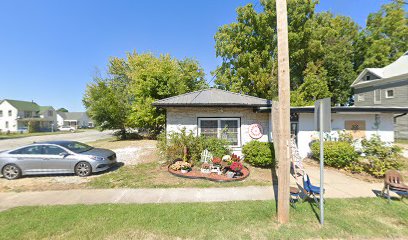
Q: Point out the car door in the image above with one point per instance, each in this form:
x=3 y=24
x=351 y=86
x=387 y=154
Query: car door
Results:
x=29 y=159
x=56 y=160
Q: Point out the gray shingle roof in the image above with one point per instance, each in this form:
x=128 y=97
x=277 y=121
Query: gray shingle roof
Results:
x=212 y=97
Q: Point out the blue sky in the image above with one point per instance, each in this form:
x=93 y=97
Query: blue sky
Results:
x=49 y=50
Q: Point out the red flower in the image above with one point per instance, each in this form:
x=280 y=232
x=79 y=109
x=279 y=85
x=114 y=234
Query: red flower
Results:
x=235 y=158
x=236 y=166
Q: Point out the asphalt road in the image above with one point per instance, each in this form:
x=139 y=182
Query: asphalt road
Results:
x=86 y=136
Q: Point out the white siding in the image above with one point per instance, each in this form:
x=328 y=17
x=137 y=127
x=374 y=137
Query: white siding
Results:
x=385 y=127
x=179 y=118
x=12 y=122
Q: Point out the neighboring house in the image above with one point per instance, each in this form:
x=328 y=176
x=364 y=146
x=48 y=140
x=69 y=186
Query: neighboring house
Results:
x=74 y=119
x=241 y=118
x=386 y=87
x=16 y=115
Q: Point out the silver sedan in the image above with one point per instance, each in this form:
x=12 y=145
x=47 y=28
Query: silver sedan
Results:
x=55 y=157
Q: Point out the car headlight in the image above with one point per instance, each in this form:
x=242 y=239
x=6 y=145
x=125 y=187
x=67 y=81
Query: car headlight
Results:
x=98 y=158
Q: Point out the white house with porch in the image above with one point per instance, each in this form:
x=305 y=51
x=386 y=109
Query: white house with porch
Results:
x=16 y=115
x=241 y=118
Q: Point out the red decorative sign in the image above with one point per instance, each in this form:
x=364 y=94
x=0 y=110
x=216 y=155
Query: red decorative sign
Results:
x=255 y=131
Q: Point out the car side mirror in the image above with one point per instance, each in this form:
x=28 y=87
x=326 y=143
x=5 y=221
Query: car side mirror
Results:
x=63 y=154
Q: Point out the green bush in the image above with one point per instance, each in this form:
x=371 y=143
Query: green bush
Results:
x=172 y=146
x=336 y=154
x=380 y=157
x=259 y=154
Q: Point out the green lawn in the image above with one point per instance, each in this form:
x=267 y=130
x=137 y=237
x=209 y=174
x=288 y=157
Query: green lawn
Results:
x=155 y=175
x=346 y=218
x=21 y=135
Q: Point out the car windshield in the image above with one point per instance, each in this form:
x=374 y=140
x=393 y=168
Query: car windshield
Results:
x=76 y=147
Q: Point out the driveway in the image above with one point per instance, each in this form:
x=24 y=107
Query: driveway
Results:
x=86 y=136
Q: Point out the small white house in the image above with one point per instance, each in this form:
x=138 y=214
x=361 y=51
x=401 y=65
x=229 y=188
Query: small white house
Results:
x=241 y=118
x=74 y=119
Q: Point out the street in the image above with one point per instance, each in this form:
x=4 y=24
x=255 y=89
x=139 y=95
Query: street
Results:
x=86 y=136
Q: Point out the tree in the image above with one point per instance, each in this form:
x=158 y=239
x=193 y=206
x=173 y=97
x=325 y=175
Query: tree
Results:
x=313 y=88
x=386 y=36
x=62 y=110
x=123 y=99
x=248 y=49
x=156 y=78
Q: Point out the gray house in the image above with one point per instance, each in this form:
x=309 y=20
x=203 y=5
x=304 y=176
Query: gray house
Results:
x=385 y=87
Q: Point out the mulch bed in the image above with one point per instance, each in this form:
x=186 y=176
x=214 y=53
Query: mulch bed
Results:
x=197 y=174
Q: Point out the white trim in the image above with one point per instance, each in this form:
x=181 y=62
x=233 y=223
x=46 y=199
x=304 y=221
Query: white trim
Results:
x=219 y=119
x=375 y=96
x=393 y=93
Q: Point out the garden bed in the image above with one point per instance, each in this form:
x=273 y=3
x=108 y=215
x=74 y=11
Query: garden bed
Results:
x=197 y=174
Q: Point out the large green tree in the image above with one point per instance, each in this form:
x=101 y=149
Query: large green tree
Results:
x=123 y=100
x=248 y=49
x=385 y=38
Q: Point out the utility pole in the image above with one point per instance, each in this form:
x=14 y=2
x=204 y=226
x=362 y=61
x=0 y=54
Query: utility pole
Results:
x=284 y=112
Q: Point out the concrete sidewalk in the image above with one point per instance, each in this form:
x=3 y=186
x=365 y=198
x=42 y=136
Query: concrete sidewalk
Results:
x=167 y=195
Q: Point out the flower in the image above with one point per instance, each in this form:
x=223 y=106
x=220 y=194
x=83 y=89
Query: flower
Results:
x=235 y=158
x=205 y=166
x=236 y=166
x=216 y=160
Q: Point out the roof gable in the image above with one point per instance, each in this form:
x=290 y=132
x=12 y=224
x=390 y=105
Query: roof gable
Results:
x=212 y=97
x=396 y=70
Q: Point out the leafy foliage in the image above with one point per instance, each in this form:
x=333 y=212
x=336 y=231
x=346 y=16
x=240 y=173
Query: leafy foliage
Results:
x=172 y=146
x=248 y=49
x=124 y=99
x=385 y=38
x=336 y=154
x=380 y=157
x=259 y=154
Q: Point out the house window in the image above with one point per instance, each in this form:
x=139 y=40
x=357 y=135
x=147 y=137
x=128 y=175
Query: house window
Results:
x=223 y=128
x=7 y=125
x=368 y=78
x=377 y=96
x=50 y=114
x=9 y=113
x=1 y=113
x=389 y=93
x=360 y=98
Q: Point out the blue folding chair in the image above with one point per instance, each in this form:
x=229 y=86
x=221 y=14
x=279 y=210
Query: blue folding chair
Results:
x=310 y=190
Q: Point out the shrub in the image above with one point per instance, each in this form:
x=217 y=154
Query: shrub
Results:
x=259 y=154
x=380 y=157
x=172 y=146
x=336 y=154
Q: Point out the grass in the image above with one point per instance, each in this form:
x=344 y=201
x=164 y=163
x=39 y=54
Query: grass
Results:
x=402 y=141
x=345 y=218
x=22 y=135
x=155 y=175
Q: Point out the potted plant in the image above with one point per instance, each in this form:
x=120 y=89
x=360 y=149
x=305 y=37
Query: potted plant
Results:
x=235 y=168
x=185 y=168
x=205 y=168
x=235 y=158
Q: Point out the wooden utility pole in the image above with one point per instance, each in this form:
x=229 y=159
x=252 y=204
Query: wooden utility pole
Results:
x=284 y=112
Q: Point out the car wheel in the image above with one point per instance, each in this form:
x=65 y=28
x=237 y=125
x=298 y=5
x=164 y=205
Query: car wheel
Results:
x=11 y=171
x=83 y=169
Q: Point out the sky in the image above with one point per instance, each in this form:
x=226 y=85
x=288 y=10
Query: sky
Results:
x=50 y=50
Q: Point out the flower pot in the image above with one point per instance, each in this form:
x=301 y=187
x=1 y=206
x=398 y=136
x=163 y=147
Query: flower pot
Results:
x=230 y=174
x=184 y=170
x=205 y=170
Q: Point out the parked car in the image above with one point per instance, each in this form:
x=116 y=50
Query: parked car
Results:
x=22 y=130
x=55 y=157
x=66 y=129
